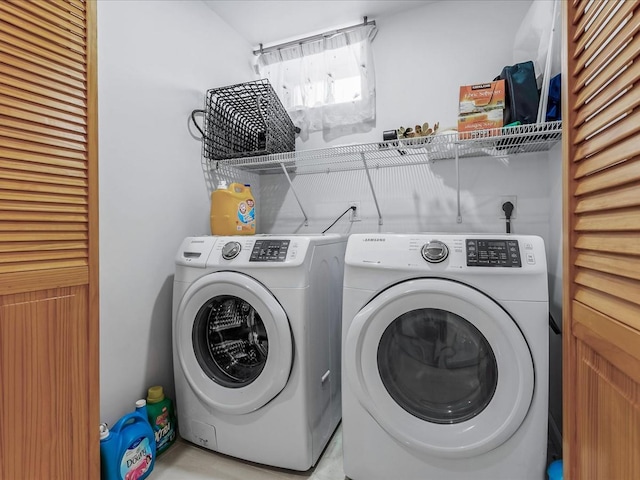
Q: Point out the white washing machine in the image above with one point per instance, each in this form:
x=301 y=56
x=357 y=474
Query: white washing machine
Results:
x=256 y=345
x=445 y=357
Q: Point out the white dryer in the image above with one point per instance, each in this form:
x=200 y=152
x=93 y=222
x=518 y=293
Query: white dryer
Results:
x=445 y=357
x=256 y=345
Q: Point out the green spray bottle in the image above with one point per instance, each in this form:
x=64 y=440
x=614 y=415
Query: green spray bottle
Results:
x=161 y=417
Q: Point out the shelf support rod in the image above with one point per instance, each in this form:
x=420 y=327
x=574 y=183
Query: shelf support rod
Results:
x=455 y=148
x=286 y=174
x=373 y=191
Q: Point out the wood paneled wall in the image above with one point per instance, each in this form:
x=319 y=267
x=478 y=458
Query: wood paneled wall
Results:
x=49 y=386
x=601 y=141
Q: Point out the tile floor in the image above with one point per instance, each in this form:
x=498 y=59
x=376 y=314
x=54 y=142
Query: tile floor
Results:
x=185 y=461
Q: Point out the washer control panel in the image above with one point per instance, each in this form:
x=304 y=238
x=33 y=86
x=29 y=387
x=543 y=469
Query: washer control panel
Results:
x=493 y=253
x=269 y=250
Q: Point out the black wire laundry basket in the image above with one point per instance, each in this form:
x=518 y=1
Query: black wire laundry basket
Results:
x=245 y=120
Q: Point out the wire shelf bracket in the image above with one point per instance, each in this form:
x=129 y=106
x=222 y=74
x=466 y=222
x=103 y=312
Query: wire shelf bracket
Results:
x=373 y=190
x=286 y=174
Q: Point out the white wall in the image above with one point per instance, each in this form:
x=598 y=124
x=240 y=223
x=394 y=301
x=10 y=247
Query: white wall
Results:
x=156 y=59
x=421 y=57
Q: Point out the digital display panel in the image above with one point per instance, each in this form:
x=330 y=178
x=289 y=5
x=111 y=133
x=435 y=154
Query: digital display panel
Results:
x=493 y=253
x=269 y=251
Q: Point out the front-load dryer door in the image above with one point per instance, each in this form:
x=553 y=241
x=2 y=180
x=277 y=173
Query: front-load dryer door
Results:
x=440 y=366
x=233 y=341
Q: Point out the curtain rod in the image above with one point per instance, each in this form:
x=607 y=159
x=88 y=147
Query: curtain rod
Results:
x=312 y=37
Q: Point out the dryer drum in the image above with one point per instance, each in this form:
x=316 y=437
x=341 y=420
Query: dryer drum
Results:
x=437 y=366
x=230 y=341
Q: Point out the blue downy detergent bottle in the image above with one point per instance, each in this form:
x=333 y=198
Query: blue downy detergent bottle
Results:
x=128 y=450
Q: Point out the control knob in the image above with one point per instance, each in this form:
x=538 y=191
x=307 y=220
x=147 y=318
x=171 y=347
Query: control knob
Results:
x=231 y=250
x=435 y=251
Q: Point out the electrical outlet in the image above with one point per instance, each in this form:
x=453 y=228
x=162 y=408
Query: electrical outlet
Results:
x=354 y=215
x=507 y=198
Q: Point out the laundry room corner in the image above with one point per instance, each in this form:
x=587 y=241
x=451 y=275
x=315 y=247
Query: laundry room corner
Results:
x=319 y=239
x=161 y=152
x=155 y=64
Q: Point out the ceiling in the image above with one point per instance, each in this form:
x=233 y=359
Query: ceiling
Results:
x=275 y=21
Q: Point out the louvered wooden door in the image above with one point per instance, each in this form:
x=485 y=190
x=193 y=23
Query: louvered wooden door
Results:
x=49 y=398
x=602 y=241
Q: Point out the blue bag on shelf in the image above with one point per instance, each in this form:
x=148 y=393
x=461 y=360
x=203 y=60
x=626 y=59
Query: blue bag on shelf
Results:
x=554 y=106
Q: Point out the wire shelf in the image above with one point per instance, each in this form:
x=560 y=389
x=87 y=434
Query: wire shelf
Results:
x=499 y=142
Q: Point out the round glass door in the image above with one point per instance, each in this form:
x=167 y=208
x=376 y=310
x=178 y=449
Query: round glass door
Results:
x=233 y=342
x=430 y=347
x=230 y=341
x=440 y=366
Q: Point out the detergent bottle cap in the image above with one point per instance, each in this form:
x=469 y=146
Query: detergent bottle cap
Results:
x=104 y=431
x=141 y=403
x=222 y=185
x=155 y=394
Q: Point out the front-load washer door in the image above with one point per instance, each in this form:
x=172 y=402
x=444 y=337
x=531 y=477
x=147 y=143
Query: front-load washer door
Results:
x=440 y=366
x=233 y=341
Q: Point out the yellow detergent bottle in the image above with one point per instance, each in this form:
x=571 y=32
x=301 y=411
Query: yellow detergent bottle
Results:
x=233 y=210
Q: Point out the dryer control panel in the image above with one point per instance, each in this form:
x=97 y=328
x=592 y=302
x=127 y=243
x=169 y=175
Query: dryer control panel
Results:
x=269 y=251
x=492 y=253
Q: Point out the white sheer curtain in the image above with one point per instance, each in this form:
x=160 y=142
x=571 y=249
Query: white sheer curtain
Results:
x=325 y=83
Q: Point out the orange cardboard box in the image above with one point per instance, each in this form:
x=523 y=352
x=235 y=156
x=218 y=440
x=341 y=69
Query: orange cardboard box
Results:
x=490 y=120
x=481 y=108
x=481 y=97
